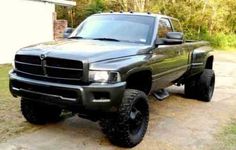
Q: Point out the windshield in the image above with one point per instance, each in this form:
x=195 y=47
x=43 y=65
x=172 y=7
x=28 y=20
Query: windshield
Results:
x=126 y=28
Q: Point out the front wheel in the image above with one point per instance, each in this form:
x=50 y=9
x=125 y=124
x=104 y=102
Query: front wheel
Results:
x=128 y=128
x=39 y=113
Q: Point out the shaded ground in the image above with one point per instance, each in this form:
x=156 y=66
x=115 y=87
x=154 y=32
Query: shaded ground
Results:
x=176 y=123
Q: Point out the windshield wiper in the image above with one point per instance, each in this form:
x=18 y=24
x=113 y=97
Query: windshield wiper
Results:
x=106 y=39
x=76 y=37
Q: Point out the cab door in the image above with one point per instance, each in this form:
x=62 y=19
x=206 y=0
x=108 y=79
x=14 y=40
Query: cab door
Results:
x=168 y=61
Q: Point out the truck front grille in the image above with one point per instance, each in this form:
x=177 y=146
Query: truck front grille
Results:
x=49 y=69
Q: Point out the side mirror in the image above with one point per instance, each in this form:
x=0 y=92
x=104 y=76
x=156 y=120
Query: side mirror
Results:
x=67 y=32
x=171 y=39
x=174 y=38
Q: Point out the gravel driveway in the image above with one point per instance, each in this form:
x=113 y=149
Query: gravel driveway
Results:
x=175 y=123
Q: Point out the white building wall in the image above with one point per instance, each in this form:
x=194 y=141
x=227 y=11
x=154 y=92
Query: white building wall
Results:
x=23 y=23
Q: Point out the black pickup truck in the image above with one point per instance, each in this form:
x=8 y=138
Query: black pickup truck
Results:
x=106 y=69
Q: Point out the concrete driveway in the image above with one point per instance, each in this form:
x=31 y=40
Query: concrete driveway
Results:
x=176 y=123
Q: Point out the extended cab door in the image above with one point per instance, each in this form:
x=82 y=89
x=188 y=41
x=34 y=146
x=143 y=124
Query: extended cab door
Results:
x=169 y=62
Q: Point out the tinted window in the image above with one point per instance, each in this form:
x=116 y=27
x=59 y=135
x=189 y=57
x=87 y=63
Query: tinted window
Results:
x=164 y=28
x=177 y=26
x=125 y=28
x=68 y=30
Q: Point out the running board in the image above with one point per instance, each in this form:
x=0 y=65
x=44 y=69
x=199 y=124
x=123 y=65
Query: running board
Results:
x=161 y=94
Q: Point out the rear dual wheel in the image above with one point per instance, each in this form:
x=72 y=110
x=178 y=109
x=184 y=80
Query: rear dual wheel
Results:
x=201 y=87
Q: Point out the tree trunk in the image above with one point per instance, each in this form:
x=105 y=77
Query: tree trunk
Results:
x=139 y=5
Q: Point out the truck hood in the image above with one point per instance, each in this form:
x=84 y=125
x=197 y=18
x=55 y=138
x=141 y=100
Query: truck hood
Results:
x=85 y=50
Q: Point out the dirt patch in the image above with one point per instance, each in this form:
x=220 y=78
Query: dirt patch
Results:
x=11 y=121
x=176 y=123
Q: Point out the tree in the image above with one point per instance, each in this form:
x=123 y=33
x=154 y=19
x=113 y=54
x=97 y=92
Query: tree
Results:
x=200 y=18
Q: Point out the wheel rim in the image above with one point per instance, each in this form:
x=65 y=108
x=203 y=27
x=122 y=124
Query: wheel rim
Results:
x=137 y=118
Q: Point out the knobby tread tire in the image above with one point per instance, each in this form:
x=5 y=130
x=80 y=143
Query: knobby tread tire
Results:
x=38 y=113
x=117 y=128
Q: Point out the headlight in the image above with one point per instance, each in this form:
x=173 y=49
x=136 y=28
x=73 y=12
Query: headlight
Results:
x=104 y=76
x=98 y=76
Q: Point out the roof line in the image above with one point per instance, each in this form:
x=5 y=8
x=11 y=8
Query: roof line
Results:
x=60 y=2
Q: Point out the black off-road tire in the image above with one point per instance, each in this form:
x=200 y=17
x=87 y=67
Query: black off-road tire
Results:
x=206 y=85
x=128 y=127
x=202 y=87
x=190 y=87
x=39 y=113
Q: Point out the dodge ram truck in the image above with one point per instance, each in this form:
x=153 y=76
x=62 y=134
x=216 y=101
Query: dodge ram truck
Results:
x=105 y=70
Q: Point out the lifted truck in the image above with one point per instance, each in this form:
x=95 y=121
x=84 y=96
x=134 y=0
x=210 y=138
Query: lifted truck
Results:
x=105 y=70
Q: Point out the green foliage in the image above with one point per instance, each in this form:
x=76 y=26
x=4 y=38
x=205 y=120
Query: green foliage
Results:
x=95 y=7
x=221 y=40
x=213 y=20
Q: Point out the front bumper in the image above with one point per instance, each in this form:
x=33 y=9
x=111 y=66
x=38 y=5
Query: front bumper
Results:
x=93 y=97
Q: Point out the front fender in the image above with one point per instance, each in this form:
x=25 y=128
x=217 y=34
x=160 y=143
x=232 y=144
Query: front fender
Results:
x=125 y=65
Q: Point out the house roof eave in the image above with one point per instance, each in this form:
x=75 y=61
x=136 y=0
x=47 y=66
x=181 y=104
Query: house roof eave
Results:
x=61 y=2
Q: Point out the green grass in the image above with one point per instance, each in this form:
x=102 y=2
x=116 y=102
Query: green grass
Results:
x=221 y=41
x=227 y=138
x=4 y=69
x=11 y=121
